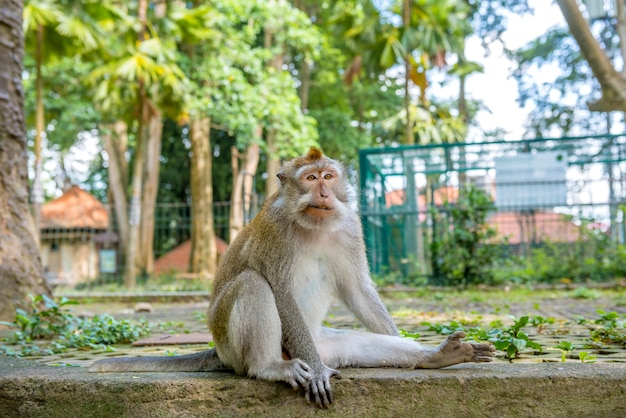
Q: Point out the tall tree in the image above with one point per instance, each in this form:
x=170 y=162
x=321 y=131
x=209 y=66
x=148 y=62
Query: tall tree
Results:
x=612 y=82
x=21 y=272
x=140 y=77
x=52 y=30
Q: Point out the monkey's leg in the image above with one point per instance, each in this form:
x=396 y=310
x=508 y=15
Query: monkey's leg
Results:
x=340 y=348
x=253 y=346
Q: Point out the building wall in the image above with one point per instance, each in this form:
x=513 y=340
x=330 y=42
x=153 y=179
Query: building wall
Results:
x=69 y=262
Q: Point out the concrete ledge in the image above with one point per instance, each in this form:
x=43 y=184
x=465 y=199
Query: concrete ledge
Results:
x=29 y=389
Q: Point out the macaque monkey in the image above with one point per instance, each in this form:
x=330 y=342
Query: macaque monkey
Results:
x=274 y=286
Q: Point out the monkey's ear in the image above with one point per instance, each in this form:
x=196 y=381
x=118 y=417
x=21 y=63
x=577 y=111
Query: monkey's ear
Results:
x=282 y=177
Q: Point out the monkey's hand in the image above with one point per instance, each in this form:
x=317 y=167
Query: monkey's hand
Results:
x=318 y=388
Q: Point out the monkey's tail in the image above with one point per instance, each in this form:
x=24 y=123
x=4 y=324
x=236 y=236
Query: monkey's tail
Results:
x=204 y=361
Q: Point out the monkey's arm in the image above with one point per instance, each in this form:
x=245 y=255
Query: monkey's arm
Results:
x=363 y=301
x=299 y=343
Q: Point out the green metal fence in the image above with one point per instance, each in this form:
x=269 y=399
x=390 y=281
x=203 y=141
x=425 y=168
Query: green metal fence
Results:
x=543 y=191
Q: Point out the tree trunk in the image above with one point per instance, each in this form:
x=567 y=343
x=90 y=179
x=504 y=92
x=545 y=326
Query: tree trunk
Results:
x=150 y=191
x=409 y=137
x=21 y=272
x=115 y=140
x=203 y=248
x=243 y=182
x=305 y=84
x=130 y=269
x=144 y=112
x=37 y=191
x=273 y=158
x=273 y=164
x=613 y=85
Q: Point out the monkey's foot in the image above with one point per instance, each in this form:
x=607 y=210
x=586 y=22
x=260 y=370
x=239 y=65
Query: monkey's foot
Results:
x=454 y=351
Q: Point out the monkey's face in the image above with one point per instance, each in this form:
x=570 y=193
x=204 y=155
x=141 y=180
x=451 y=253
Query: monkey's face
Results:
x=315 y=192
x=320 y=197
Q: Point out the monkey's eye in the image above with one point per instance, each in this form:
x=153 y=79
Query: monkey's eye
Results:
x=328 y=176
x=310 y=177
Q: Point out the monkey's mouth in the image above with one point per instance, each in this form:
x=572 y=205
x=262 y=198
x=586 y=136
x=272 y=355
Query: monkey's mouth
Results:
x=320 y=207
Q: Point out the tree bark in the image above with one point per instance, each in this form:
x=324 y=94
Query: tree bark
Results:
x=150 y=191
x=144 y=115
x=243 y=182
x=134 y=217
x=37 y=191
x=203 y=249
x=273 y=158
x=613 y=85
x=273 y=164
x=21 y=272
x=115 y=140
x=409 y=136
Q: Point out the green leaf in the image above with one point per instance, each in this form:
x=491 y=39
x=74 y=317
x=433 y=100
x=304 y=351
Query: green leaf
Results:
x=501 y=345
x=511 y=352
x=519 y=343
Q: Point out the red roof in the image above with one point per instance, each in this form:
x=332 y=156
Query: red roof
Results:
x=446 y=194
x=179 y=257
x=74 y=209
x=536 y=226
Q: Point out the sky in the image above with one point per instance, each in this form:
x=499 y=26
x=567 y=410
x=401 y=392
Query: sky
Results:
x=495 y=87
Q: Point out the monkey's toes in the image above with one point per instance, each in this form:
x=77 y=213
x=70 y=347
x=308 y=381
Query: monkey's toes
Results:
x=482 y=352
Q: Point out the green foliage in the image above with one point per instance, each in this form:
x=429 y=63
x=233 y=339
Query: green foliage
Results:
x=512 y=340
x=553 y=110
x=59 y=329
x=46 y=319
x=412 y=335
x=461 y=251
x=586 y=358
x=477 y=333
x=566 y=347
x=585 y=293
x=611 y=329
x=593 y=257
x=540 y=322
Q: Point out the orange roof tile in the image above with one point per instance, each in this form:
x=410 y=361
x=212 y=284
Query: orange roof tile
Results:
x=74 y=209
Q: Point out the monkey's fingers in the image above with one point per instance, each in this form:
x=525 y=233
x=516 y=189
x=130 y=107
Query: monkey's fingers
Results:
x=300 y=374
x=319 y=390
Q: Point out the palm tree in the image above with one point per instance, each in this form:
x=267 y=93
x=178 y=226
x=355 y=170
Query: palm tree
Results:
x=429 y=29
x=52 y=29
x=145 y=71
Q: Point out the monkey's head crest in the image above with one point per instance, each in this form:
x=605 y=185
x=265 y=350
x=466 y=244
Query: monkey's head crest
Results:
x=315 y=154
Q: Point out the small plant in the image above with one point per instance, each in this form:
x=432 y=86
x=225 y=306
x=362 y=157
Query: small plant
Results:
x=47 y=318
x=566 y=347
x=50 y=321
x=512 y=340
x=476 y=333
x=611 y=330
x=445 y=329
x=585 y=293
x=406 y=334
x=585 y=357
x=540 y=322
